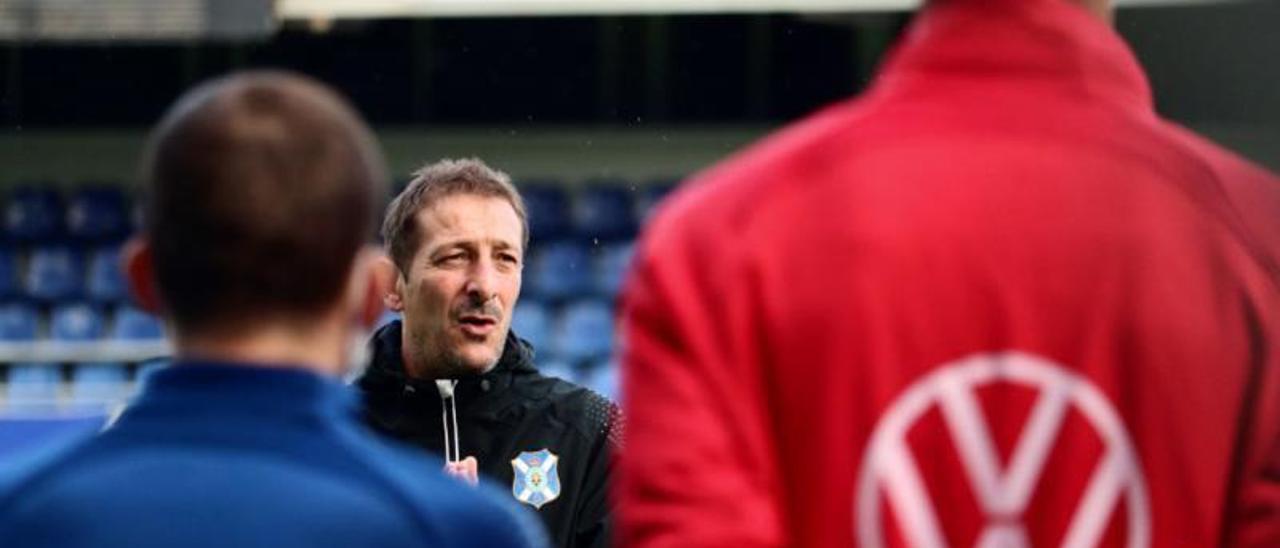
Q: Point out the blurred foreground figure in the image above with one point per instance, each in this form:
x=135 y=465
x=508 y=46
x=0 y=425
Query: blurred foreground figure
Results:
x=995 y=302
x=261 y=192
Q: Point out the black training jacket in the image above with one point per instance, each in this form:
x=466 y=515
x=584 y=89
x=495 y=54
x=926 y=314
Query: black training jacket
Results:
x=505 y=419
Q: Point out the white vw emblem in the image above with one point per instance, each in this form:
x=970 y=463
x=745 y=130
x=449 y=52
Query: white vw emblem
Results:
x=889 y=466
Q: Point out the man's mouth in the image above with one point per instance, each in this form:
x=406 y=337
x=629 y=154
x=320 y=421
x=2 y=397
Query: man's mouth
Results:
x=477 y=326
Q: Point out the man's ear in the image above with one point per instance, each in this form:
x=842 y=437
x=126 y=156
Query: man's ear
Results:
x=364 y=288
x=390 y=283
x=138 y=264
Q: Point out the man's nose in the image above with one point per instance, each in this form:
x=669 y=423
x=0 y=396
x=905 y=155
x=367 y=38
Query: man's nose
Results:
x=482 y=281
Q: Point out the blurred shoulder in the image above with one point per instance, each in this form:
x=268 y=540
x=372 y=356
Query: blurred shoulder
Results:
x=735 y=188
x=458 y=514
x=590 y=413
x=25 y=472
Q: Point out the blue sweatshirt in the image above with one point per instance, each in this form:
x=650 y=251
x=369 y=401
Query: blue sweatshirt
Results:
x=220 y=455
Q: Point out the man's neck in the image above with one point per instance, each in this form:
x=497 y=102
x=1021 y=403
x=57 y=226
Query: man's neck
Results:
x=316 y=349
x=424 y=370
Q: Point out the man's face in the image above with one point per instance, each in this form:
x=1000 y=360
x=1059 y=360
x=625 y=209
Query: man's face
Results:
x=461 y=286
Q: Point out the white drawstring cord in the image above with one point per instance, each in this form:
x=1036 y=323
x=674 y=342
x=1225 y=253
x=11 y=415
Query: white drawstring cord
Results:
x=452 y=452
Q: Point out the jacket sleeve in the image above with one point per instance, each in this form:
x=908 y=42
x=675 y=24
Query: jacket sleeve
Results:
x=593 y=525
x=697 y=467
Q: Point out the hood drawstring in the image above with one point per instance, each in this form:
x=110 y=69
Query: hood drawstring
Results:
x=449 y=406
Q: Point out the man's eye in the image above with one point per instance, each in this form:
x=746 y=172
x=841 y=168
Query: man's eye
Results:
x=454 y=258
x=511 y=259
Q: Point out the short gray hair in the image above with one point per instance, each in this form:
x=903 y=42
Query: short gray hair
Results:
x=434 y=182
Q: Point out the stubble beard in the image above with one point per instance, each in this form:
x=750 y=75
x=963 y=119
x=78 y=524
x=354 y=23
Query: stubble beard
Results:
x=447 y=364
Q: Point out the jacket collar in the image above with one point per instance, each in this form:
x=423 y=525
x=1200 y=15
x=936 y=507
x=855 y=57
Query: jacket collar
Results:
x=1046 y=43
x=386 y=372
x=207 y=387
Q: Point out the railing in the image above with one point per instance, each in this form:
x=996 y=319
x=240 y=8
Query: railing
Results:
x=57 y=352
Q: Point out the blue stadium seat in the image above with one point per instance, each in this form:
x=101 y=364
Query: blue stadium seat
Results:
x=76 y=323
x=605 y=213
x=558 y=369
x=135 y=325
x=10 y=279
x=532 y=322
x=603 y=378
x=18 y=323
x=547 y=207
x=651 y=195
x=98 y=214
x=611 y=267
x=33 y=214
x=559 y=271
x=584 y=332
x=106 y=281
x=54 y=274
x=33 y=388
x=95 y=384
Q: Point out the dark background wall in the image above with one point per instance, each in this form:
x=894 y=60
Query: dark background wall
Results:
x=633 y=96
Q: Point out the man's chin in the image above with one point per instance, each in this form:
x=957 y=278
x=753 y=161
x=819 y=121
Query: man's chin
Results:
x=476 y=362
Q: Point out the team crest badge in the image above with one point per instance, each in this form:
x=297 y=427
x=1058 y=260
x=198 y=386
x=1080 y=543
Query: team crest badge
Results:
x=537 y=481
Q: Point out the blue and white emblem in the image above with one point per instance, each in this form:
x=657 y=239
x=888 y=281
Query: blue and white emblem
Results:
x=537 y=480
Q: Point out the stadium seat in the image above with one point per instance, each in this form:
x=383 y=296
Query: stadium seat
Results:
x=611 y=267
x=532 y=322
x=605 y=212
x=584 y=331
x=547 y=207
x=10 y=280
x=54 y=274
x=106 y=281
x=602 y=377
x=75 y=323
x=32 y=388
x=135 y=325
x=558 y=369
x=651 y=195
x=98 y=214
x=33 y=214
x=95 y=384
x=18 y=323
x=559 y=271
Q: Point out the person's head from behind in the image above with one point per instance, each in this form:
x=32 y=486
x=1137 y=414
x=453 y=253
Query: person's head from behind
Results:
x=260 y=195
x=456 y=237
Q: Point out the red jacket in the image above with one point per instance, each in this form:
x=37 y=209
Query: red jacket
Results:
x=995 y=298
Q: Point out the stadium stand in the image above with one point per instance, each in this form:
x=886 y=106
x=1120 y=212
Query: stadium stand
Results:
x=584 y=332
x=33 y=214
x=532 y=321
x=558 y=271
x=10 y=283
x=547 y=205
x=55 y=275
x=98 y=214
x=106 y=281
x=604 y=212
x=64 y=303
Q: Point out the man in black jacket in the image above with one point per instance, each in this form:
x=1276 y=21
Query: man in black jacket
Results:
x=452 y=377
